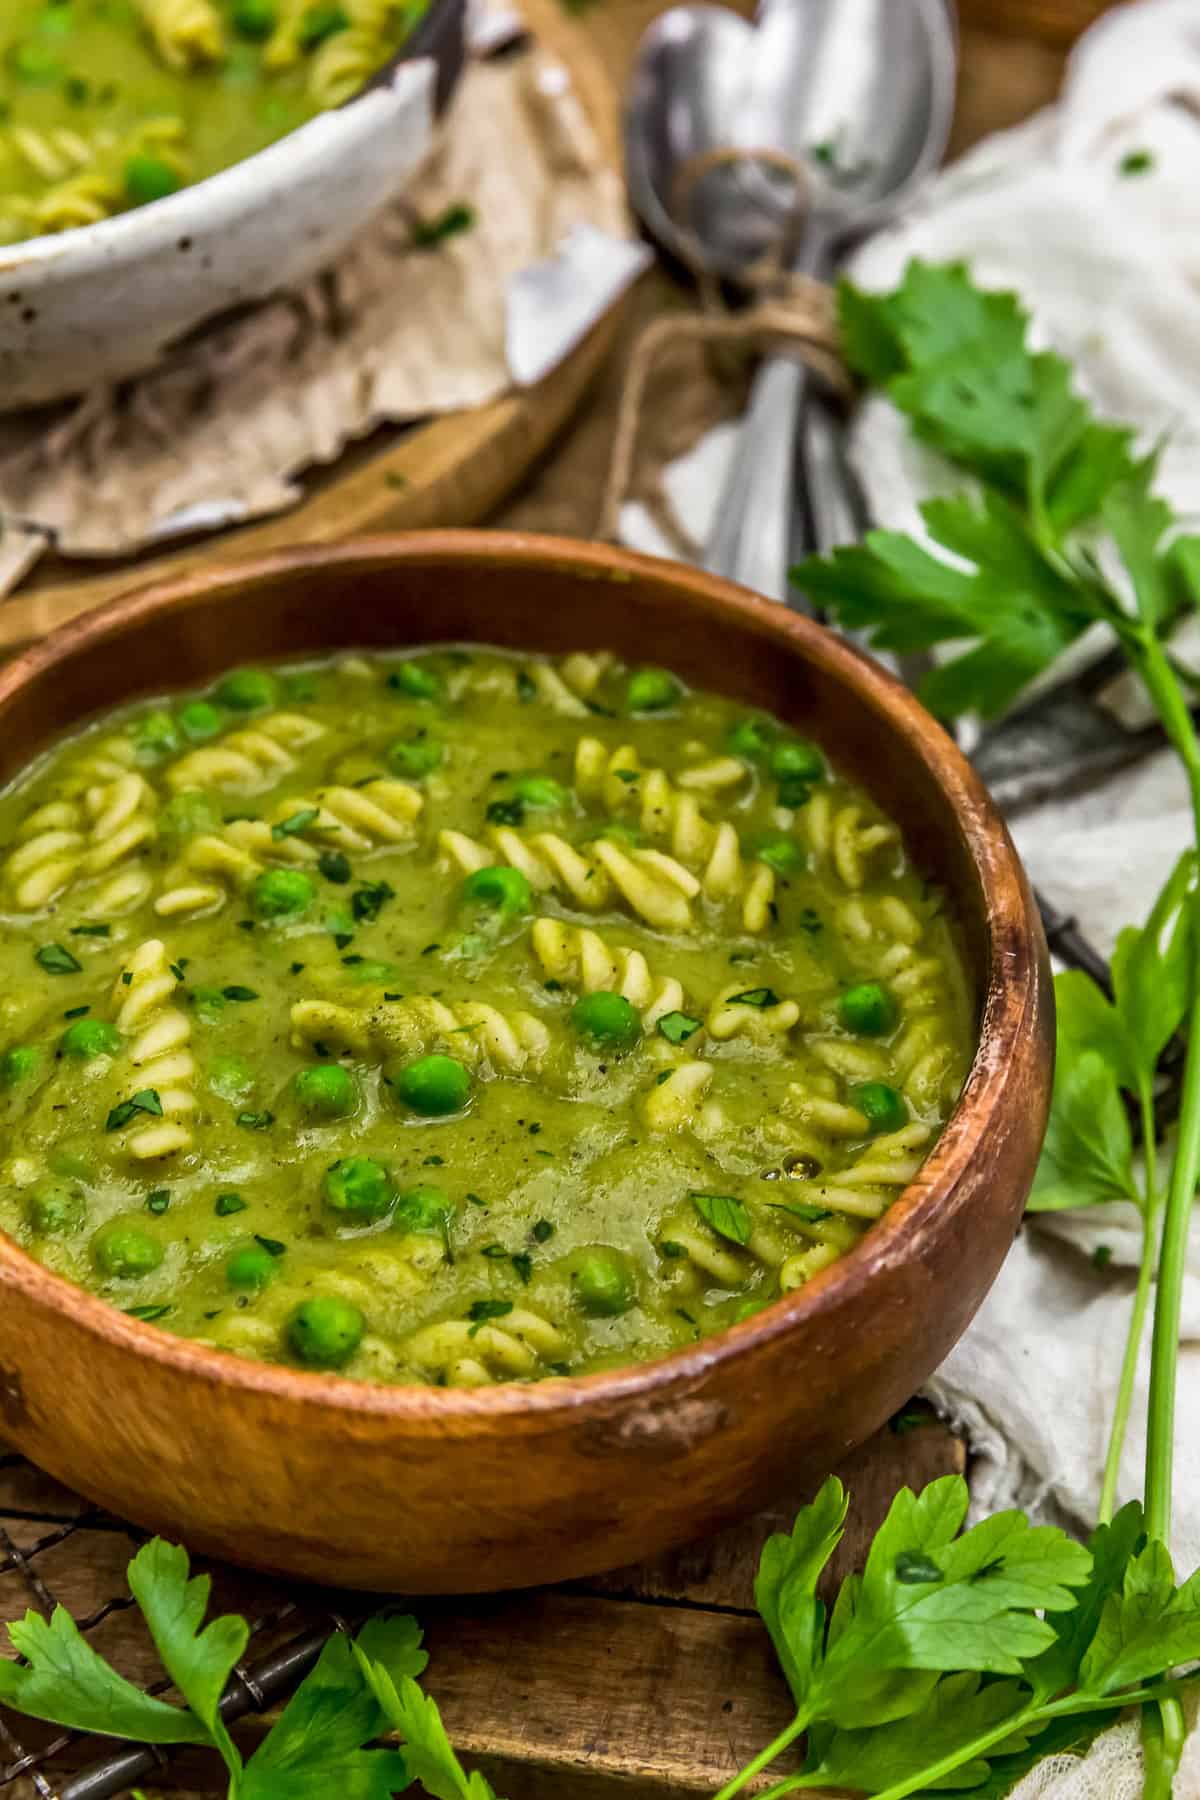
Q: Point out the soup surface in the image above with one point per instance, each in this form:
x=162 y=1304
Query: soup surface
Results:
x=109 y=104
x=459 y=1018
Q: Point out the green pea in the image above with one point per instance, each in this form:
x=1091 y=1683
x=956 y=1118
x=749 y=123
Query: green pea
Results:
x=17 y=1064
x=325 y=1331
x=199 y=721
x=254 y=18
x=868 y=1009
x=752 y=739
x=505 y=889
x=247 y=690
x=604 y=1284
x=416 y=681
x=608 y=1020
x=189 y=814
x=125 y=1251
x=230 y=1076
x=282 y=893
x=334 y=866
x=783 y=854
x=885 y=1109
x=794 y=760
x=415 y=757
x=651 y=690
x=251 y=1267
x=540 y=793
x=36 y=64
x=746 y=1309
x=434 y=1086
x=56 y=1211
x=327 y=1091
x=150 y=178
x=155 y=735
x=422 y=1208
x=360 y=1187
x=86 y=1038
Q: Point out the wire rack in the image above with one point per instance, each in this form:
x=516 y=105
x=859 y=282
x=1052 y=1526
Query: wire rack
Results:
x=286 y=1637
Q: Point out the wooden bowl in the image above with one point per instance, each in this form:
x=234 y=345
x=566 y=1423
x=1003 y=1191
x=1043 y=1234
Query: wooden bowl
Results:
x=425 y=1489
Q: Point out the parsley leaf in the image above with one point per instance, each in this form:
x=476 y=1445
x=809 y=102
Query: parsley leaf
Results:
x=1087 y=1157
x=316 y=1745
x=146 y=1100
x=199 y=1662
x=958 y=1709
x=296 y=823
x=1150 y=1626
x=678 y=1027
x=56 y=959
x=66 y=1682
x=428 y=1754
x=727 y=1216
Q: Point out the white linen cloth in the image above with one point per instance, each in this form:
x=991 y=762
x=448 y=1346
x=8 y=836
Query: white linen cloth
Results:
x=1107 y=258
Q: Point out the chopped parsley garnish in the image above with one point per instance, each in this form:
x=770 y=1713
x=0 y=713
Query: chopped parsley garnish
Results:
x=146 y=1100
x=727 y=1216
x=678 y=1027
x=296 y=823
x=366 y=902
x=56 y=959
x=255 y=1121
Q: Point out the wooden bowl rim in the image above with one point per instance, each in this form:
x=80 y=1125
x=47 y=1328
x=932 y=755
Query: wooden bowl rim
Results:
x=1009 y=996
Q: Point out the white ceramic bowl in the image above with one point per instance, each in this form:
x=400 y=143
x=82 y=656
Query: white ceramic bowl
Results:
x=104 y=301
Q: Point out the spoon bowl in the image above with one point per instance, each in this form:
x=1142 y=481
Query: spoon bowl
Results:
x=787 y=138
x=694 y=95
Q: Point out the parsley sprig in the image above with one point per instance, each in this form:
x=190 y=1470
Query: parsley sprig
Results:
x=1061 y=530
x=360 y=1690
x=950 y=1659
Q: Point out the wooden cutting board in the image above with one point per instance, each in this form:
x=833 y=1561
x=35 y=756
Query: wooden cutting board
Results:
x=449 y=471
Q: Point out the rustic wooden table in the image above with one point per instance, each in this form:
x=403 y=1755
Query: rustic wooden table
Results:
x=649 y=1682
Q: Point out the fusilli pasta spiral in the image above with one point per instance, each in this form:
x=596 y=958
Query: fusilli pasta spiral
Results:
x=651 y=885
x=158 y=1054
x=582 y=959
x=671 y=810
x=184 y=32
x=488 y=1040
x=67 y=842
x=456 y=1353
x=246 y=760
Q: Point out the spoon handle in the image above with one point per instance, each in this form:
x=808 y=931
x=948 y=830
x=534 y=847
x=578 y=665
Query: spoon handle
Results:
x=751 y=537
x=752 y=532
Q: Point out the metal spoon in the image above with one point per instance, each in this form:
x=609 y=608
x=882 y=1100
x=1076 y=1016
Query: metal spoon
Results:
x=859 y=93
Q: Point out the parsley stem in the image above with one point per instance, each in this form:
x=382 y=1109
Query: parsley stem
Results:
x=1151 y=1207
x=1037 y=1714
x=1169 y=1300
x=775 y=1748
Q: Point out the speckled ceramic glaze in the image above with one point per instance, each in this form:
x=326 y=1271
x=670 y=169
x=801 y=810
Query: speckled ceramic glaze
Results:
x=105 y=301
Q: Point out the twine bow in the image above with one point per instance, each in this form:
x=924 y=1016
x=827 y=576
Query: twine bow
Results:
x=785 y=310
